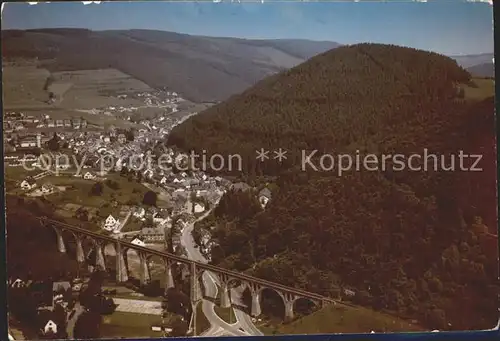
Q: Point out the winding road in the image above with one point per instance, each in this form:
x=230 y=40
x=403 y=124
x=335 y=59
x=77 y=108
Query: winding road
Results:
x=218 y=327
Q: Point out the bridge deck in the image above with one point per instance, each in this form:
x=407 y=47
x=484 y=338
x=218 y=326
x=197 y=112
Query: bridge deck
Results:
x=230 y=273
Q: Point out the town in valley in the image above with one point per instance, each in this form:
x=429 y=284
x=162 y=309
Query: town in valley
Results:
x=114 y=230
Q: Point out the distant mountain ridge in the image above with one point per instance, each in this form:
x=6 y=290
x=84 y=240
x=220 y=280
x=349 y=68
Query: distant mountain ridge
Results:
x=482 y=70
x=200 y=68
x=467 y=61
x=480 y=65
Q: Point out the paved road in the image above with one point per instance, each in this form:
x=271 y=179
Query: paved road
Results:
x=70 y=326
x=243 y=325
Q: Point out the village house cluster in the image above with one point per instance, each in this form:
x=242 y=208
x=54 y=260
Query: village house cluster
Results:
x=54 y=301
x=20 y=122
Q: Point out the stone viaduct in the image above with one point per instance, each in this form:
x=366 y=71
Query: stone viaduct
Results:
x=226 y=278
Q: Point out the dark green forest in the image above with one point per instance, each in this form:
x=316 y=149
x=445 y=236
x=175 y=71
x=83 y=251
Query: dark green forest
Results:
x=419 y=244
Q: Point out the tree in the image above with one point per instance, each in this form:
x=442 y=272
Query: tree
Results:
x=150 y=198
x=179 y=327
x=461 y=93
x=53 y=143
x=129 y=134
x=82 y=214
x=21 y=305
x=97 y=189
x=178 y=303
x=112 y=184
x=88 y=326
x=436 y=319
x=108 y=306
x=124 y=171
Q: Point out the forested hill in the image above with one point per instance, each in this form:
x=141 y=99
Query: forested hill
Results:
x=415 y=243
x=348 y=96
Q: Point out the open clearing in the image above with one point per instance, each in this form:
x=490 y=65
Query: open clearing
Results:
x=127 y=192
x=98 y=88
x=484 y=88
x=340 y=319
x=27 y=88
x=24 y=86
x=129 y=325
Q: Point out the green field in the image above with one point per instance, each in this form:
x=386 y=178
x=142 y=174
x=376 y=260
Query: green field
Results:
x=15 y=175
x=127 y=192
x=483 y=89
x=99 y=88
x=19 y=173
x=202 y=323
x=133 y=224
x=227 y=314
x=339 y=319
x=28 y=88
x=24 y=86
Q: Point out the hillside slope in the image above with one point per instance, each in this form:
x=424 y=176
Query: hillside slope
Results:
x=412 y=242
x=199 y=68
x=467 y=61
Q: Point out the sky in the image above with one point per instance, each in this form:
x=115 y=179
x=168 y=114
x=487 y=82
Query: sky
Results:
x=450 y=27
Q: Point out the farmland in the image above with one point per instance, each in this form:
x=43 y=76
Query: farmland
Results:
x=97 y=88
x=24 y=86
x=125 y=192
x=480 y=89
x=75 y=94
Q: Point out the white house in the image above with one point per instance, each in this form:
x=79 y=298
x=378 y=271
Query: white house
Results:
x=28 y=184
x=63 y=167
x=148 y=173
x=88 y=176
x=138 y=241
x=163 y=180
x=161 y=328
x=199 y=207
x=50 y=327
x=264 y=197
x=18 y=283
x=47 y=188
x=160 y=218
x=201 y=192
x=139 y=213
x=168 y=158
x=110 y=223
x=349 y=292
